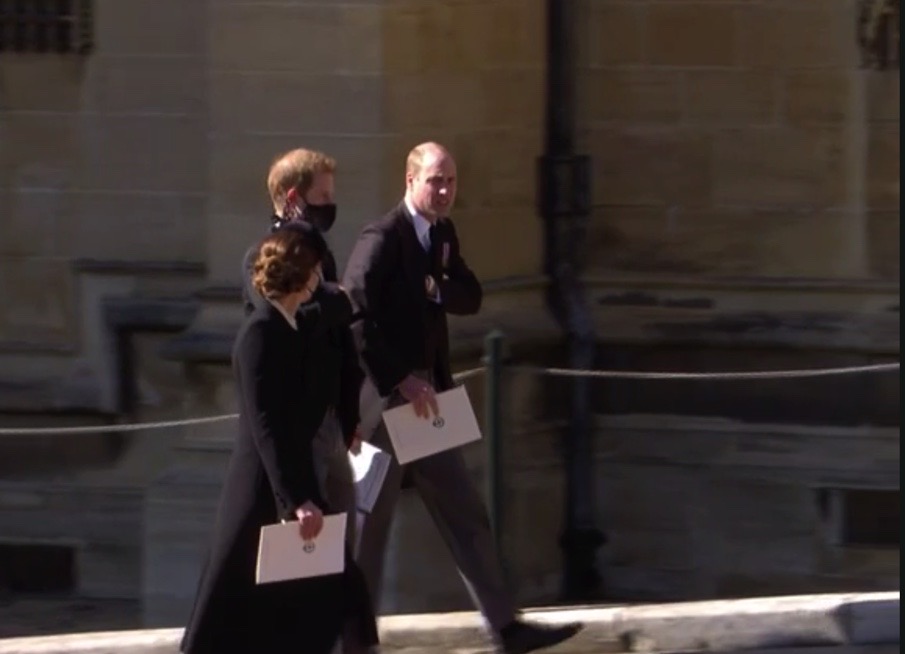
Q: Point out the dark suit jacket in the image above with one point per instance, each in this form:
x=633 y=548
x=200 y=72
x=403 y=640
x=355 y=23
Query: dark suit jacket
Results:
x=332 y=356
x=270 y=474
x=400 y=329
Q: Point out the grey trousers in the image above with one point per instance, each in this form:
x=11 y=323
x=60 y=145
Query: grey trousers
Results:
x=454 y=504
x=334 y=475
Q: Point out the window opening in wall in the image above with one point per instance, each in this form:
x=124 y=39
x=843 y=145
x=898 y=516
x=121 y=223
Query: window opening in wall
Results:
x=37 y=568
x=46 y=26
x=861 y=517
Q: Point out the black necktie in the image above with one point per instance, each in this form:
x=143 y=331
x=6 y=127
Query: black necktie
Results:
x=433 y=252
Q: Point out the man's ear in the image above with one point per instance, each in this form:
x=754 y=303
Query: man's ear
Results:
x=292 y=196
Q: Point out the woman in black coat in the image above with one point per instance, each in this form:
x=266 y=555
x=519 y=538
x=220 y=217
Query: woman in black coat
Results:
x=271 y=477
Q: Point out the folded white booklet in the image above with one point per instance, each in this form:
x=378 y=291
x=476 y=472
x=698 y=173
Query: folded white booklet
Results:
x=283 y=555
x=415 y=438
x=369 y=468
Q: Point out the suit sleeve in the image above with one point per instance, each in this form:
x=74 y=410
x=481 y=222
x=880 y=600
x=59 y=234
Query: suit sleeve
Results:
x=260 y=372
x=331 y=310
x=351 y=378
x=336 y=305
x=365 y=277
x=460 y=289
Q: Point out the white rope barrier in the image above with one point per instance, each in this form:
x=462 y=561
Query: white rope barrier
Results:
x=761 y=374
x=163 y=424
x=115 y=429
x=467 y=374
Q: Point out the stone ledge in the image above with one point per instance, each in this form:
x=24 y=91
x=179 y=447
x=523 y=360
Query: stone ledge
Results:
x=51 y=396
x=759 y=623
x=152 y=314
x=118 y=267
x=80 y=391
x=639 y=310
x=200 y=347
x=641 y=282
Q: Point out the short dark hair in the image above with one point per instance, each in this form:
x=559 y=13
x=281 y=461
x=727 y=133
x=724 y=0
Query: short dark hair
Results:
x=296 y=169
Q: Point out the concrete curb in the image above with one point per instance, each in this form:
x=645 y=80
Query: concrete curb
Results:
x=761 y=623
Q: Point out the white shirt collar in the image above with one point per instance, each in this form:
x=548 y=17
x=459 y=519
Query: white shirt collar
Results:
x=289 y=318
x=421 y=224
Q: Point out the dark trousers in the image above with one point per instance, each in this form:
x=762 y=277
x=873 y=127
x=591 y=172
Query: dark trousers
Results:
x=454 y=504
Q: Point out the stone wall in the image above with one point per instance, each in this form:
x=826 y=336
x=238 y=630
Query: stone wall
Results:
x=471 y=74
x=745 y=213
x=101 y=157
x=387 y=88
x=156 y=146
x=738 y=139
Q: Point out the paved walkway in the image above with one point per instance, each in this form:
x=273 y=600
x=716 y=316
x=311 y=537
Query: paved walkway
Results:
x=844 y=623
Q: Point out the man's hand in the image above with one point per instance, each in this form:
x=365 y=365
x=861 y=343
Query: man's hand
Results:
x=355 y=445
x=431 y=288
x=420 y=394
x=311 y=520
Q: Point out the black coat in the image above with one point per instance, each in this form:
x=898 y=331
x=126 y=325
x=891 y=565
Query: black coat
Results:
x=400 y=329
x=270 y=474
x=332 y=354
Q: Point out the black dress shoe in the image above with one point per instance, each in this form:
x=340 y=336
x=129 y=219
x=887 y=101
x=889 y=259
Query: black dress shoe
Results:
x=519 y=637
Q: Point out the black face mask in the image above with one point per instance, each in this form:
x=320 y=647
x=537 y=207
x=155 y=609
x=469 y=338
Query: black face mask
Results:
x=320 y=216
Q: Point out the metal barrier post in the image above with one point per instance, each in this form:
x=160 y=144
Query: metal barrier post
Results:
x=493 y=428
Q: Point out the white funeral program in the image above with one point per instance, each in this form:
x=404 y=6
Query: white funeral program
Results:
x=283 y=555
x=369 y=468
x=415 y=438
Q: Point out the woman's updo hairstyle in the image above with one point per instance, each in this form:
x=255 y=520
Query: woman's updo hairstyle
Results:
x=284 y=264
